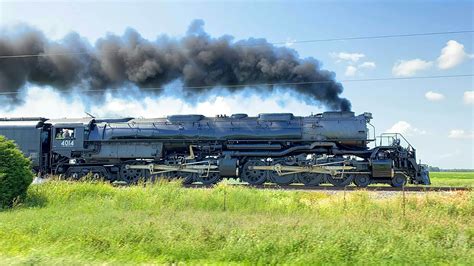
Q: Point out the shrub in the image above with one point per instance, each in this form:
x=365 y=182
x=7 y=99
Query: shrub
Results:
x=15 y=173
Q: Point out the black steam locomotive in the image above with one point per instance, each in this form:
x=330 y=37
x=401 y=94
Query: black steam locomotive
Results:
x=281 y=148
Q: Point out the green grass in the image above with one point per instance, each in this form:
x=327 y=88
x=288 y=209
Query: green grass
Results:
x=456 y=179
x=95 y=223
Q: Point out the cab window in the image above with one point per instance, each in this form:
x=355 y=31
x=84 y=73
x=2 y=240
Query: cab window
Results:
x=64 y=133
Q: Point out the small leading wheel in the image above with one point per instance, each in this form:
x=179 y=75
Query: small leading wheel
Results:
x=254 y=177
x=362 y=180
x=311 y=179
x=398 y=180
x=209 y=178
x=340 y=180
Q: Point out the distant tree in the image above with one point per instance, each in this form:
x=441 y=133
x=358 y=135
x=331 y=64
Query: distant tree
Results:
x=434 y=169
x=458 y=170
x=15 y=173
x=437 y=169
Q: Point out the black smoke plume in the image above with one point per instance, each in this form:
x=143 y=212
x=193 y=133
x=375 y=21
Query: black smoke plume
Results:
x=198 y=60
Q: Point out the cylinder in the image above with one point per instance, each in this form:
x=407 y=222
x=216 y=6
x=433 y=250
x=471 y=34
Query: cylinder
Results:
x=228 y=167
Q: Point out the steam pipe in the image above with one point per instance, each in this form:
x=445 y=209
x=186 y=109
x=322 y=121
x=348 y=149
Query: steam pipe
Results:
x=300 y=148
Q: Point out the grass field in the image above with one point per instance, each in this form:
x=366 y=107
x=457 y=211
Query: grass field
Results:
x=461 y=179
x=95 y=223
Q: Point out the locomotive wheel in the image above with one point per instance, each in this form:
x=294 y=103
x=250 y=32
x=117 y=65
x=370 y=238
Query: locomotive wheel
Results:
x=154 y=178
x=74 y=173
x=187 y=177
x=282 y=180
x=254 y=177
x=132 y=176
x=173 y=175
x=340 y=182
x=362 y=180
x=99 y=173
x=209 y=179
x=79 y=172
x=74 y=176
x=398 y=180
x=311 y=179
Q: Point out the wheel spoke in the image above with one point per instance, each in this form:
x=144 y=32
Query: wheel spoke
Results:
x=132 y=176
x=281 y=179
x=340 y=181
x=254 y=177
x=187 y=177
x=209 y=179
x=362 y=180
x=398 y=180
x=312 y=179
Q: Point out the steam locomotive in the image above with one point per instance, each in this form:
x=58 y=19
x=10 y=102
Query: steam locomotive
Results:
x=331 y=147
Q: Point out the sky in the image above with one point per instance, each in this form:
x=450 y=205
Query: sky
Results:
x=435 y=115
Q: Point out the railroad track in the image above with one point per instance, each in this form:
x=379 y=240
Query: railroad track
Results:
x=349 y=188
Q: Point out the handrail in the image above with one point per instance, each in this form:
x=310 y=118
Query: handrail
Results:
x=375 y=137
x=394 y=136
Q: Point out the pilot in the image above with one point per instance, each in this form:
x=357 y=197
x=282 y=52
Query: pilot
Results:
x=66 y=134
x=59 y=135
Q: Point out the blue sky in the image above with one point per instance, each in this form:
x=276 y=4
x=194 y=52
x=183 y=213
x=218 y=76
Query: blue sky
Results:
x=436 y=114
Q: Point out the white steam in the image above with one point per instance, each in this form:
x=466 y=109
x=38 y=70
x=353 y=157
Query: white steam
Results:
x=47 y=102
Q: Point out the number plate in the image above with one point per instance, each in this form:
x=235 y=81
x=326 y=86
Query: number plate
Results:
x=67 y=143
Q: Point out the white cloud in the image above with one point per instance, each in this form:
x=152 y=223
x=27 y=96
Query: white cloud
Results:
x=434 y=96
x=452 y=55
x=351 y=71
x=468 y=97
x=405 y=128
x=460 y=134
x=406 y=68
x=353 y=57
x=367 y=65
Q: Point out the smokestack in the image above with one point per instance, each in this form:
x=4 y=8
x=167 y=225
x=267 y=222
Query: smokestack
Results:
x=201 y=62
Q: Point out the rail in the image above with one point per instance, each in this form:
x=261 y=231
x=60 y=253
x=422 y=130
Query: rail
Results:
x=420 y=189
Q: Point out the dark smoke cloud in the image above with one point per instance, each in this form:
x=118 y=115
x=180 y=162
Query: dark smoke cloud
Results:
x=196 y=59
